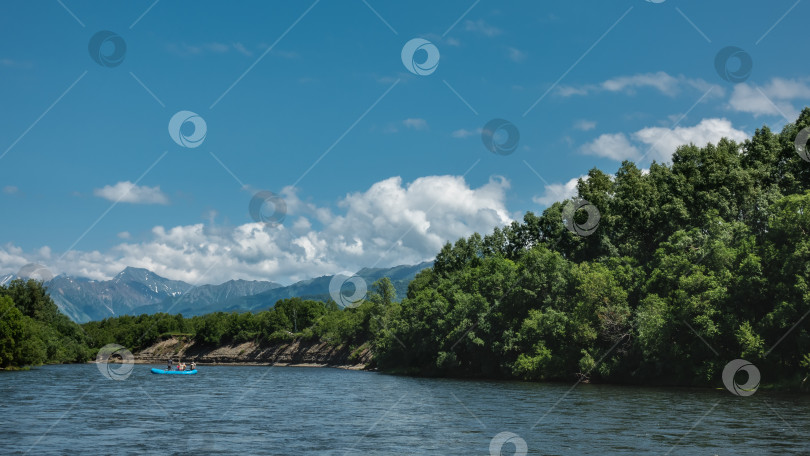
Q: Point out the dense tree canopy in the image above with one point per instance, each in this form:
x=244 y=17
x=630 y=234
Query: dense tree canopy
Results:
x=33 y=331
x=693 y=264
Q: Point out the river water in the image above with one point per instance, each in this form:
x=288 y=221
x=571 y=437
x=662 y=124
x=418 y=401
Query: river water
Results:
x=74 y=409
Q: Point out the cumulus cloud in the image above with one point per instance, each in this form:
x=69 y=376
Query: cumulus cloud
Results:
x=661 y=81
x=415 y=124
x=390 y=223
x=614 y=146
x=558 y=192
x=462 y=133
x=774 y=98
x=515 y=55
x=127 y=192
x=585 y=125
x=660 y=143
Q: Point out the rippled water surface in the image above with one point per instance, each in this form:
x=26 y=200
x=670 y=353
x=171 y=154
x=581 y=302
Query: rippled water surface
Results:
x=73 y=409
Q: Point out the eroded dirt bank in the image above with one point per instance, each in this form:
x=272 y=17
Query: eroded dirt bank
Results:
x=295 y=353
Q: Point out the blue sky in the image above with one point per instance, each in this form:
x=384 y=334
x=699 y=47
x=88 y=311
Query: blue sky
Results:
x=279 y=84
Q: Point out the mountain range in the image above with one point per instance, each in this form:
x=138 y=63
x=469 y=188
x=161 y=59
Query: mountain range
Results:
x=136 y=291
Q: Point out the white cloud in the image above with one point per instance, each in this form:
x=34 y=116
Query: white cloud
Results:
x=567 y=91
x=614 y=146
x=515 y=55
x=240 y=48
x=415 y=124
x=480 y=26
x=659 y=142
x=10 y=189
x=585 y=125
x=389 y=223
x=124 y=235
x=464 y=133
x=661 y=81
x=127 y=192
x=558 y=192
x=662 y=142
x=774 y=98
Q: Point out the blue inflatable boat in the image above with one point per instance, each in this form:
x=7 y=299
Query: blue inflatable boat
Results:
x=175 y=372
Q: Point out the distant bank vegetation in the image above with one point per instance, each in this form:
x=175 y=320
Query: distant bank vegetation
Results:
x=692 y=265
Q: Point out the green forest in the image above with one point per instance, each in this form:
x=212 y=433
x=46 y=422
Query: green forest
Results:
x=692 y=264
x=33 y=331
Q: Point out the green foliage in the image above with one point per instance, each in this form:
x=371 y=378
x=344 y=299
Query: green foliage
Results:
x=288 y=320
x=33 y=331
x=693 y=264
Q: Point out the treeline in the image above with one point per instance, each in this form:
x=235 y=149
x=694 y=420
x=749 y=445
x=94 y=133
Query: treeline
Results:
x=33 y=331
x=287 y=320
x=692 y=265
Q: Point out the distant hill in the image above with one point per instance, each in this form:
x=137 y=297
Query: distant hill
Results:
x=83 y=299
x=4 y=279
x=136 y=291
x=316 y=289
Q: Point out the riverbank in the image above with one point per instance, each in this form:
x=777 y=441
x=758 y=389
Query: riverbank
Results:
x=294 y=353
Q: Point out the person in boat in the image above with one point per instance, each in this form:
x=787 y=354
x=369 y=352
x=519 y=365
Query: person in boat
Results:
x=169 y=366
x=193 y=365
